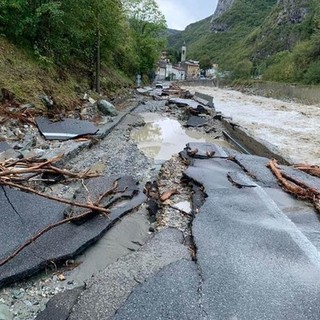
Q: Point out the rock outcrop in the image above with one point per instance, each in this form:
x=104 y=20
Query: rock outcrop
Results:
x=292 y=11
x=222 y=7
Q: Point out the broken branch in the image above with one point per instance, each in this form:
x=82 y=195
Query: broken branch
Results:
x=64 y=221
x=43 y=231
x=310 y=169
x=168 y=194
x=294 y=186
x=27 y=189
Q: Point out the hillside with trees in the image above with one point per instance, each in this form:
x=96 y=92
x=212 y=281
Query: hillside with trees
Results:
x=61 y=47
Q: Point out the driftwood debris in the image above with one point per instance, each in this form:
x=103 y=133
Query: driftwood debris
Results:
x=25 y=169
x=13 y=173
x=295 y=187
x=310 y=169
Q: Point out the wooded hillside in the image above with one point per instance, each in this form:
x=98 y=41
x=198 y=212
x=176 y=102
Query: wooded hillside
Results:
x=97 y=44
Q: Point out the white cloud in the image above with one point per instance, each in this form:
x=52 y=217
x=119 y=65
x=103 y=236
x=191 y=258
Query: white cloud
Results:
x=180 y=13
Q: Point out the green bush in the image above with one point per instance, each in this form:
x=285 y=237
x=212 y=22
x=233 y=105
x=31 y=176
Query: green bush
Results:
x=243 y=69
x=312 y=75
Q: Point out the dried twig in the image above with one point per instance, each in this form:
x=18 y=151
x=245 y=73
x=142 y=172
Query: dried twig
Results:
x=81 y=205
x=310 y=169
x=168 y=194
x=294 y=186
x=108 y=192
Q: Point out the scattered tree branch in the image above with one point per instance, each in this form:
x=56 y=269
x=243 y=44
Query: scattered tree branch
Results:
x=93 y=211
x=294 y=186
x=72 y=203
x=310 y=169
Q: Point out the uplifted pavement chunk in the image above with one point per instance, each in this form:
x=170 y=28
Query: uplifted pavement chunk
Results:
x=257 y=167
x=185 y=102
x=24 y=215
x=195 y=121
x=111 y=288
x=212 y=173
x=65 y=129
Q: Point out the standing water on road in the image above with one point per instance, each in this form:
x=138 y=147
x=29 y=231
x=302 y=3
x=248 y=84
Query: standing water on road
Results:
x=162 y=137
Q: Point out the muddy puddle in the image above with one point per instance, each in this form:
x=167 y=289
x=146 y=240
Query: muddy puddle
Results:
x=162 y=137
x=124 y=237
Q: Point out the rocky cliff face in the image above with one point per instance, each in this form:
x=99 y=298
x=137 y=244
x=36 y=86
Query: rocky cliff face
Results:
x=222 y=7
x=292 y=11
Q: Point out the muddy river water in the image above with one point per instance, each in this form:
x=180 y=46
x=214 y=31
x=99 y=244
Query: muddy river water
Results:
x=284 y=124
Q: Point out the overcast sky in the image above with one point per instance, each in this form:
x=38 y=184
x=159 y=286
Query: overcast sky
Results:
x=180 y=13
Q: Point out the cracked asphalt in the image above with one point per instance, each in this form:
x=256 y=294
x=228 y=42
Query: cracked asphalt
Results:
x=251 y=261
x=253 y=255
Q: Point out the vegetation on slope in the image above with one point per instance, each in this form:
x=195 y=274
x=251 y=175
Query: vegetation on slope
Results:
x=55 y=47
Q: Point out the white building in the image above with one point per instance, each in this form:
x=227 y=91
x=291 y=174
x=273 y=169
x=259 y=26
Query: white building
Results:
x=178 y=73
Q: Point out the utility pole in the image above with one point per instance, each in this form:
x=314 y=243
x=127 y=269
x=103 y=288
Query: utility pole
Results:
x=98 y=63
x=98 y=49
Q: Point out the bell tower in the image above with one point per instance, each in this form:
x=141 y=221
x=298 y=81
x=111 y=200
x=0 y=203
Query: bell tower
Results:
x=183 y=52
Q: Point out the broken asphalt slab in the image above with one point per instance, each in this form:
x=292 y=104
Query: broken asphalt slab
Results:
x=180 y=102
x=195 y=121
x=262 y=265
x=109 y=289
x=72 y=148
x=204 y=99
x=92 y=189
x=24 y=215
x=65 y=129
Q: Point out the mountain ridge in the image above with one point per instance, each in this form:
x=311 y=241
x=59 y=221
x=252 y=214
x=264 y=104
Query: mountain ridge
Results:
x=255 y=38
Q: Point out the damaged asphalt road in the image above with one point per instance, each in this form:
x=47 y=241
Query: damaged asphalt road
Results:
x=251 y=261
x=253 y=251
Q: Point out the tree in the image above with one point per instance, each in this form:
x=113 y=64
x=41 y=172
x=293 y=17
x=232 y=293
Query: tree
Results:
x=148 y=25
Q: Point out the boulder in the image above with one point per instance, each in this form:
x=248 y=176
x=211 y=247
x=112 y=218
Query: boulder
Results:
x=47 y=102
x=107 y=108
